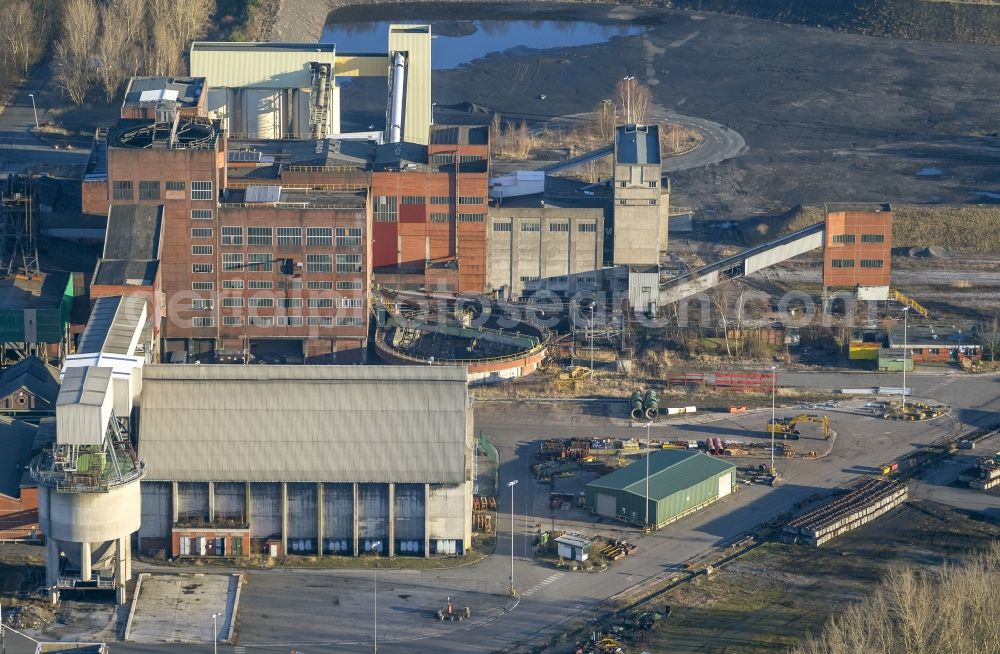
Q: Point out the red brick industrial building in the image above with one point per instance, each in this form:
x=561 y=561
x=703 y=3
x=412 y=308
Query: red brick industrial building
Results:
x=858 y=247
x=273 y=243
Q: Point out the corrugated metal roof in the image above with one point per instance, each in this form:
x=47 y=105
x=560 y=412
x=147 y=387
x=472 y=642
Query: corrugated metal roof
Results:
x=304 y=423
x=114 y=326
x=84 y=386
x=263 y=65
x=670 y=471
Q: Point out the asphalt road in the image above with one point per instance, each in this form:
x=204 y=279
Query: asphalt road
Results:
x=19 y=148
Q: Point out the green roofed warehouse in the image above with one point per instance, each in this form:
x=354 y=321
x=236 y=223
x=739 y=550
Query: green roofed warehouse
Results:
x=680 y=483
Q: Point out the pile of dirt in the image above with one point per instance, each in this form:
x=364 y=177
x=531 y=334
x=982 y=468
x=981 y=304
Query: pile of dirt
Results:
x=28 y=616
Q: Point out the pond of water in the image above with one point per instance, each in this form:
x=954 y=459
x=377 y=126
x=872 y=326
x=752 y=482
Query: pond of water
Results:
x=458 y=42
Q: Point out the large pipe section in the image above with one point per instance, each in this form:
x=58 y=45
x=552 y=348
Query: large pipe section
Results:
x=398 y=77
x=635 y=406
x=651 y=404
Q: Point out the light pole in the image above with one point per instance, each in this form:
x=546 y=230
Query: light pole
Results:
x=375 y=547
x=510 y=485
x=902 y=393
x=648 y=452
x=215 y=632
x=628 y=98
x=774 y=426
x=591 y=329
x=33 y=108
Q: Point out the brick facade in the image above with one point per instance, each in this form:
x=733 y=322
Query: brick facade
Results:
x=858 y=248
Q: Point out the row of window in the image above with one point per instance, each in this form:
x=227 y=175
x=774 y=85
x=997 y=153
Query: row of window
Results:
x=150 y=190
x=435 y=217
x=286 y=236
x=585 y=279
x=651 y=203
x=652 y=184
x=587 y=228
x=849 y=263
x=280 y=321
x=264 y=262
x=439 y=199
x=235 y=284
x=865 y=238
x=207 y=304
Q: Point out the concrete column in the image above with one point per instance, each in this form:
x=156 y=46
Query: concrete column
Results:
x=319 y=519
x=85 y=553
x=284 y=518
x=392 y=520
x=427 y=521
x=51 y=562
x=354 y=517
x=128 y=557
x=173 y=502
x=121 y=554
x=211 y=502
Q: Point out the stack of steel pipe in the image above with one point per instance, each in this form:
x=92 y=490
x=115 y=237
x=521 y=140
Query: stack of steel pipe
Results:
x=650 y=405
x=636 y=410
x=868 y=501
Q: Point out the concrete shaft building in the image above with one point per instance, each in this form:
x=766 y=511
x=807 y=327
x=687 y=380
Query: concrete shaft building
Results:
x=88 y=481
x=640 y=207
x=559 y=248
x=306 y=460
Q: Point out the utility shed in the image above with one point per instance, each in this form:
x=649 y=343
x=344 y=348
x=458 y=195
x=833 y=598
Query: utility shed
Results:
x=679 y=483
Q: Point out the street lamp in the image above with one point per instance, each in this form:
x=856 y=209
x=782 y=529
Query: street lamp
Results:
x=215 y=632
x=33 y=108
x=902 y=393
x=648 y=452
x=628 y=98
x=375 y=547
x=774 y=426
x=510 y=485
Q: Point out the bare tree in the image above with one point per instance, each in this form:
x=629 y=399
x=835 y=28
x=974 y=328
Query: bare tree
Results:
x=989 y=332
x=605 y=116
x=949 y=610
x=77 y=44
x=632 y=99
x=175 y=23
x=496 y=133
x=18 y=35
x=112 y=51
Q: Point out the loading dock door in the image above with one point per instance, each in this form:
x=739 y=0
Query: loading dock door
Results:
x=726 y=484
x=606 y=505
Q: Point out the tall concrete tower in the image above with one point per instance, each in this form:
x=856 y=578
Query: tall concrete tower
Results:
x=89 y=503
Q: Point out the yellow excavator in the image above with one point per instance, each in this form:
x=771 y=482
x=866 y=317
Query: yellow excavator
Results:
x=785 y=427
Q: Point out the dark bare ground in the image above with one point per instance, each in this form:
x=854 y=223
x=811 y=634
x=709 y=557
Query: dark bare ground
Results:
x=778 y=594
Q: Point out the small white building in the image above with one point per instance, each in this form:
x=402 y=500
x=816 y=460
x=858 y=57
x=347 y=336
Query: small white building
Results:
x=573 y=547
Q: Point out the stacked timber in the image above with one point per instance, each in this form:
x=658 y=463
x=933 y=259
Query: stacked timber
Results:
x=863 y=504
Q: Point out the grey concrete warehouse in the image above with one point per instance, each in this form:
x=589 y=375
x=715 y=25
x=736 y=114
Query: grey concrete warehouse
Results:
x=678 y=484
x=305 y=460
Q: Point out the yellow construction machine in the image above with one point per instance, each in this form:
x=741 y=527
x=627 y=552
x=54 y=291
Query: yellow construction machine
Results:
x=785 y=427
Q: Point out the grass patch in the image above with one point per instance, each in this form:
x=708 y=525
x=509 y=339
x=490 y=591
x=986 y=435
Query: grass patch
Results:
x=957 y=228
